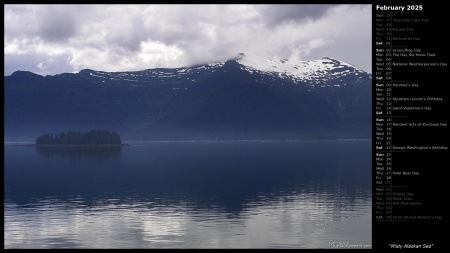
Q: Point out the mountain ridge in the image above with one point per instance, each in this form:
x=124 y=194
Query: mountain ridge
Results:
x=324 y=97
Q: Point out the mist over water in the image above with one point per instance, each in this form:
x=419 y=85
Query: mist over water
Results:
x=189 y=194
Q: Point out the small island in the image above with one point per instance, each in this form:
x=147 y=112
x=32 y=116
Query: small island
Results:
x=76 y=138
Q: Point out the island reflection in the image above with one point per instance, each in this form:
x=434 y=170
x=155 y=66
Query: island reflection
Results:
x=78 y=153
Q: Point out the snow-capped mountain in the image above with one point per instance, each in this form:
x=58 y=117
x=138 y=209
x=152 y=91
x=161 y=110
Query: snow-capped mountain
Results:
x=326 y=71
x=243 y=94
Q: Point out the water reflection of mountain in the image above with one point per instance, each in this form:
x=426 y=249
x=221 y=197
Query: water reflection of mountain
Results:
x=77 y=153
x=227 y=177
x=190 y=195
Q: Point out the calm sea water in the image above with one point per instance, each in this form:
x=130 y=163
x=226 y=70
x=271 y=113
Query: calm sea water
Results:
x=206 y=194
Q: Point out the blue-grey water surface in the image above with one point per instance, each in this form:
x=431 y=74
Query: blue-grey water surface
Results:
x=190 y=194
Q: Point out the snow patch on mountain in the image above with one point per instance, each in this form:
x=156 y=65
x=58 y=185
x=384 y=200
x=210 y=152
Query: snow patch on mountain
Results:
x=314 y=72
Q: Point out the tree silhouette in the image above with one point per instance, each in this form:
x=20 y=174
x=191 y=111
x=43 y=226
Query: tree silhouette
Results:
x=94 y=137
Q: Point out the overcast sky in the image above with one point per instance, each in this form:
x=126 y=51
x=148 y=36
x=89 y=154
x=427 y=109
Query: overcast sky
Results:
x=53 y=39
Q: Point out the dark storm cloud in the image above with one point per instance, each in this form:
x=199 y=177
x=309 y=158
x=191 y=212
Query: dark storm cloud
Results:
x=129 y=34
x=57 y=23
x=274 y=15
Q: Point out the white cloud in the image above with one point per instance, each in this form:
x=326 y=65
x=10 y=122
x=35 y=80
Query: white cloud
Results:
x=41 y=65
x=135 y=37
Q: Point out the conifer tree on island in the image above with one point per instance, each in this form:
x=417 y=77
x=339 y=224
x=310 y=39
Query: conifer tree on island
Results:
x=94 y=137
